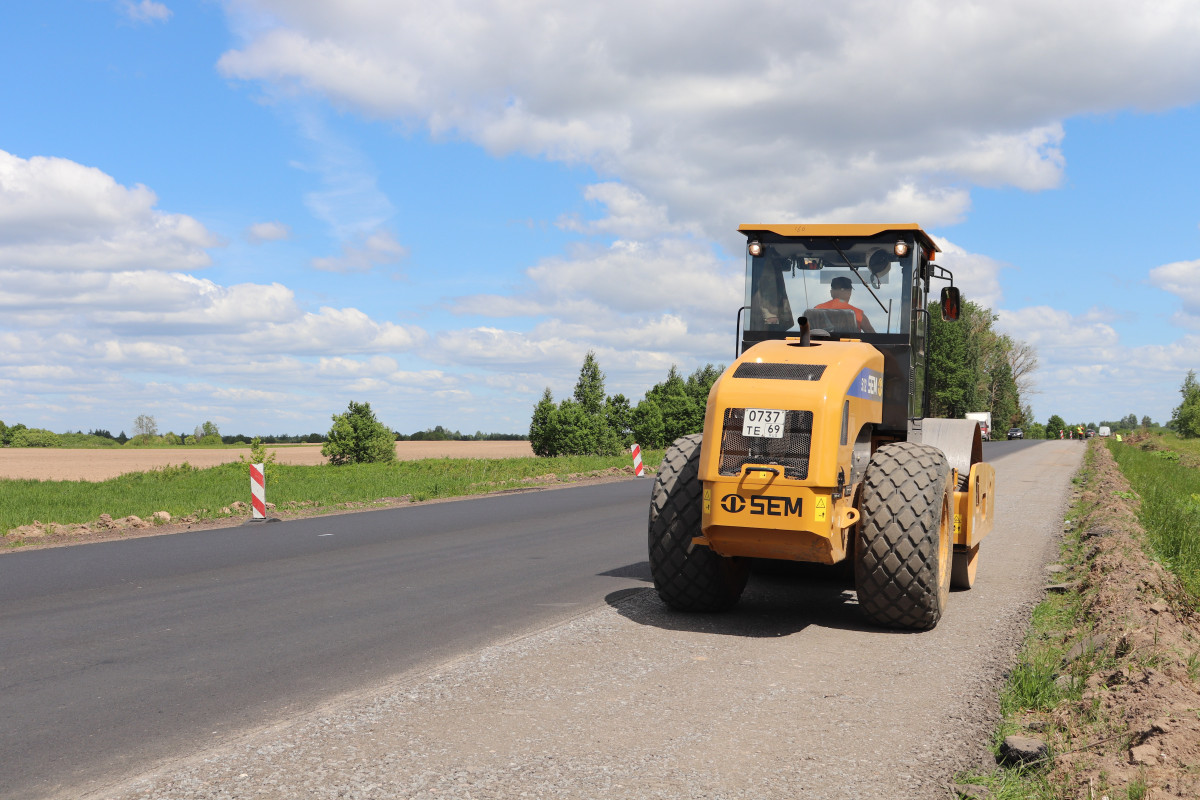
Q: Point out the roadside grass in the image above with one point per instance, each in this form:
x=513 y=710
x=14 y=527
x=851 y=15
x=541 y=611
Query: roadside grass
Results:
x=185 y=490
x=1169 y=489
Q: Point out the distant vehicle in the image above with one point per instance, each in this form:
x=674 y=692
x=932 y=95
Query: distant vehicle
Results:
x=1105 y=432
x=1090 y=433
x=1016 y=433
x=984 y=418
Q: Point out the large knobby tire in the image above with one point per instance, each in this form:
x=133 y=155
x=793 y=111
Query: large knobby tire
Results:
x=904 y=547
x=687 y=577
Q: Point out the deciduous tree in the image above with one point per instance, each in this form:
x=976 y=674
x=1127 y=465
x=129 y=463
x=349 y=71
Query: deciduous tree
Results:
x=357 y=437
x=145 y=425
x=1186 y=417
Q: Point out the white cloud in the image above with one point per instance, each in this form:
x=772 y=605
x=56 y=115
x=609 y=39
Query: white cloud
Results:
x=58 y=215
x=142 y=355
x=341 y=330
x=375 y=249
x=96 y=290
x=640 y=305
x=708 y=115
x=1073 y=338
x=1087 y=372
x=698 y=118
x=497 y=348
x=145 y=11
x=977 y=275
x=1182 y=279
x=261 y=232
x=634 y=277
x=148 y=301
x=629 y=215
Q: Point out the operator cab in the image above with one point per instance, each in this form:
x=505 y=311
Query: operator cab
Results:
x=865 y=282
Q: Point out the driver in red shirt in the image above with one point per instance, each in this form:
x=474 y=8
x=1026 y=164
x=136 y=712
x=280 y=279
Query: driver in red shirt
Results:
x=840 y=289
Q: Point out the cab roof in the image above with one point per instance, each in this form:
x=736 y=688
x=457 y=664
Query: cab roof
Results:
x=847 y=230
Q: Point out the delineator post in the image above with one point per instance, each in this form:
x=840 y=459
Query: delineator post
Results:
x=258 y=492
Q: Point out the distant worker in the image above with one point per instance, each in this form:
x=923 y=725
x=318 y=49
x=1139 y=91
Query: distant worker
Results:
x=840 y=289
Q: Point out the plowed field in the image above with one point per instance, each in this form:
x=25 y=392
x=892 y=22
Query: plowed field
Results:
x=64 y=464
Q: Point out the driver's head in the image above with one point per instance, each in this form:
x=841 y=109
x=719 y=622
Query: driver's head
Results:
x=840 y=288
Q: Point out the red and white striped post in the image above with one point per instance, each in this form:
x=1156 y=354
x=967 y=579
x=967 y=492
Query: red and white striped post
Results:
x=638 y=469
x=258 y=493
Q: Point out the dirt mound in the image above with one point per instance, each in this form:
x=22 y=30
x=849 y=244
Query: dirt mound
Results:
x=1138 y=721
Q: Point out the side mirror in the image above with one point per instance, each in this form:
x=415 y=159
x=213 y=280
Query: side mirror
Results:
x=950 y=302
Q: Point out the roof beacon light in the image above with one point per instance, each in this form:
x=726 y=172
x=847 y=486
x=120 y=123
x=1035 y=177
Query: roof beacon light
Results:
x=755 y=248
x=901 y=248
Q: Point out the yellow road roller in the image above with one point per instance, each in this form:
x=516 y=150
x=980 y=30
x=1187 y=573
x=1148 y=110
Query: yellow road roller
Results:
x=816 y=447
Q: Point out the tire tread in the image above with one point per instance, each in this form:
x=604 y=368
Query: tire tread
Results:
x=896 y=565
x=699 y=580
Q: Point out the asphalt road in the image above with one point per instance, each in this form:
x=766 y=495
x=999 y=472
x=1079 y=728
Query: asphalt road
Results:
x=790 y=694
x=116 y=655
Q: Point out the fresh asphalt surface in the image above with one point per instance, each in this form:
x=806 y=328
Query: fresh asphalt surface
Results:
x=116 y=655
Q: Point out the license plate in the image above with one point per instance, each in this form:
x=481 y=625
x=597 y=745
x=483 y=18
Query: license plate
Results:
x=766 y=423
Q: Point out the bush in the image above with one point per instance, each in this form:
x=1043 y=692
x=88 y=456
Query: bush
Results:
x=33 y=437
x=144 y=440
x=7 y=432
x=648 y=429
x=357 y=437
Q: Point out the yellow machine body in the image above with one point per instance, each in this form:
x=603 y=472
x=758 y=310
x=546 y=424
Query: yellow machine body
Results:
x=755 y=508
x=817 y=444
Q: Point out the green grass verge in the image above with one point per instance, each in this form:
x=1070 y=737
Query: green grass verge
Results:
x=183 y=490
x=1169 y=489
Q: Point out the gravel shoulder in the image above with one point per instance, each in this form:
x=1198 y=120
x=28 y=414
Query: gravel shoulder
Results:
x=789 y=695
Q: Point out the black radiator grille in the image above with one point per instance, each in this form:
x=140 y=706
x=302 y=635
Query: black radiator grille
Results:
x=779 y=372
x=790 y=452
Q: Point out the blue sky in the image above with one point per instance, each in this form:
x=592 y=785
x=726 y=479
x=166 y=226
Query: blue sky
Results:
x=255 y=211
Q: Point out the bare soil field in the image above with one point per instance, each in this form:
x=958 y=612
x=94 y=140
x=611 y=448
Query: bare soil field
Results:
x=65 y=464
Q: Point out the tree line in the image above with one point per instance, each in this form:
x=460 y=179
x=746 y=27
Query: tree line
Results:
x=206 y=434
x=973 y=367
x=593 y=423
